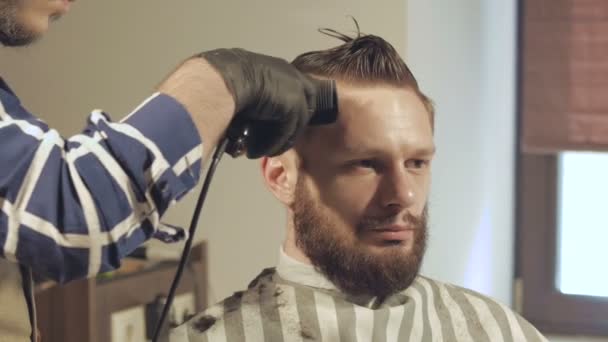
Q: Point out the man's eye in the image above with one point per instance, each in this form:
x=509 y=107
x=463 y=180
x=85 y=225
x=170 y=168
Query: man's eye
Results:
x=417 y=163
x=361 y=164
x=366 y=163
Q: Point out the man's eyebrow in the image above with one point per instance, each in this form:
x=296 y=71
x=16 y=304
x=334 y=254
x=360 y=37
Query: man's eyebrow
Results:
x=357 y=150
x=426 y=151
x=363 y=150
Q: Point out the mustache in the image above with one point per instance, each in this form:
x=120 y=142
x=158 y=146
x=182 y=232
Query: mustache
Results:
x=407 y=218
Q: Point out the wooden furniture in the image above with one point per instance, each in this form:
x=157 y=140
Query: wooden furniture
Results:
x=81 y=311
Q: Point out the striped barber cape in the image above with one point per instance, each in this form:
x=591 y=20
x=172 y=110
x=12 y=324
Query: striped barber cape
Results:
x=295 y=303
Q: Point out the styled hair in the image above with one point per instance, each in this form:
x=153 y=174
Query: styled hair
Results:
x=363 y=59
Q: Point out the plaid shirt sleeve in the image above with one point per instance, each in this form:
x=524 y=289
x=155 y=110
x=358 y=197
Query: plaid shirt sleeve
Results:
x=72 y=208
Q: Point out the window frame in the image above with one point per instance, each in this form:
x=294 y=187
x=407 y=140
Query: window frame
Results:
x=539 y=299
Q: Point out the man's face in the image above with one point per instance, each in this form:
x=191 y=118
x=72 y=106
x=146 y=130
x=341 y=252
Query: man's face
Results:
x=360 y=202
x=23 y=21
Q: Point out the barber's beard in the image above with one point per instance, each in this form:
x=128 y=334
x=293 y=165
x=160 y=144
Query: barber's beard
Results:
x=351 y=265
x=13 y=33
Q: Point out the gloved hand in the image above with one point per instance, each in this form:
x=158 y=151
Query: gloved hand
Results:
x=272 y=98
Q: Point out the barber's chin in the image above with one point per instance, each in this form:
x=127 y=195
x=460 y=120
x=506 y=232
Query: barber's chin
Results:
x=36 y=25
x=36 y=28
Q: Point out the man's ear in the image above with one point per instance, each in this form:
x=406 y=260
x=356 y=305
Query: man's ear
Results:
x=280 y=176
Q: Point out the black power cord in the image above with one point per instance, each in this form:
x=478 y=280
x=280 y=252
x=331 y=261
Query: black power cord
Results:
x=217 y=155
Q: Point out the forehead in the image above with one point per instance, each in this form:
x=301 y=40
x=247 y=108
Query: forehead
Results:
x=377 y=116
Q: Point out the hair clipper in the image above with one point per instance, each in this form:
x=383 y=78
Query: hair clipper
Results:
x=325 y=112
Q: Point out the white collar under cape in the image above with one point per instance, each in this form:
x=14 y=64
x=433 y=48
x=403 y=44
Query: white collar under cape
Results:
x=298 y=272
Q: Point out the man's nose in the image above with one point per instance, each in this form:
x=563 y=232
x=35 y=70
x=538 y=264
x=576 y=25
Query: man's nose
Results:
x=398 y=190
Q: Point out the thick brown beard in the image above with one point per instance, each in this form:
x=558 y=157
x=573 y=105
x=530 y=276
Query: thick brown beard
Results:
x=351 y=266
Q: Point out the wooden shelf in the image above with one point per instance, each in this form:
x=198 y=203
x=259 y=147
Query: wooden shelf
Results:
x=81 y=310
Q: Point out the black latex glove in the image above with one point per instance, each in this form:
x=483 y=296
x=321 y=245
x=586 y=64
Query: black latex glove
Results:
x=272 y=98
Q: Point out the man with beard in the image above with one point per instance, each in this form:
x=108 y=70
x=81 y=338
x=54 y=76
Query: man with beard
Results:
x=73 y=208
x=356 y=195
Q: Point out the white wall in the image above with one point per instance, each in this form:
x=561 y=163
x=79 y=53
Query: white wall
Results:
x=463 y=54
x=111 y=53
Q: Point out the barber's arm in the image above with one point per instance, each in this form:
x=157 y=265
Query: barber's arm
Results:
x=73 y=208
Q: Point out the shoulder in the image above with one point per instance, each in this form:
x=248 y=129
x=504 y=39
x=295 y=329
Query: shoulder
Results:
x=477 y=309
x=228 y=317
x=453 y=294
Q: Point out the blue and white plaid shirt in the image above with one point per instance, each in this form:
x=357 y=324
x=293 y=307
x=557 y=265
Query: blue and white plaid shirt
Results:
x=74 y=208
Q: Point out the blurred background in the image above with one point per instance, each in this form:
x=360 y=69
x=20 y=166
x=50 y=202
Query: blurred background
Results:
x=111 y=54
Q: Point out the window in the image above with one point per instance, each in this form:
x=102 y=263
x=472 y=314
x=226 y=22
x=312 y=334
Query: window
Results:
x=554 y=295
x=582 y=209
x=562 y=195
